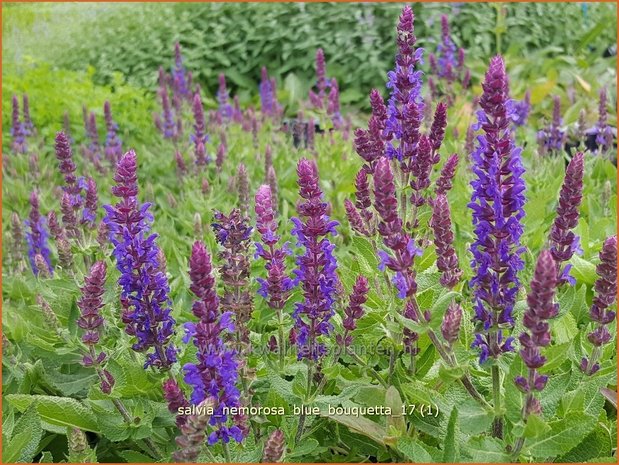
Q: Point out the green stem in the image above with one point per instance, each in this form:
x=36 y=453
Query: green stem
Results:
x=226 y=452
x=372 y=371
x=497 y=426
x=282 y=340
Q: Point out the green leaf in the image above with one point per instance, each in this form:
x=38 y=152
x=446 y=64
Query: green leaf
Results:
x=361 y=425
x=26 y=437
x=583 y=270
x=563 y=436
x=564 y=329
x=394 y=402
x=535 y=427
x=59 y=411
x=308 y=446
x=413 y=450
x=484 y=449
x=451 y=452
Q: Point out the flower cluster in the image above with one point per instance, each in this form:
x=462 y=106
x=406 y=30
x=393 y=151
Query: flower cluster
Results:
x=497 y=203
x=268 y=98
x=551 y=139
x=113 y=145
x=369 y=143
x=333 y=105
x=564 y=242
x=215 y=373
x=541 y=308
x=193 y=430
x=28 y=124
x=146 y=306
x=274 y=447
x=604 y=135
x=447 y=260
x=450 y=326
x=605 y=295
x=36 y=237
x=67 y=168
x=181 y=80
x=165 y=122
x=316 y=267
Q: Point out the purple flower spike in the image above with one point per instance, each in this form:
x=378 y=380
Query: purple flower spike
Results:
x=552 y=138
x=18 y=129
x=28 y=125
x=406 y=107
x=354 y=311
x=541 y=307
x=268 y=98
x=180 y=79
x=564 y=242
x=144 y=287
x=369 y=143
x=604 y=135
x=605 y=295
x=333 y=106
x=215 y=373
x=444 y=182
x=36 y=236
x=277 y=286
x=199 y=136
x=497 y=204
x=113 y=145
x=67 y=168
x=450 y=326
x=223 y=97
x=447 y=260
x=446 y=51
x=316 y=267
x=90 y=305
x=322 y=83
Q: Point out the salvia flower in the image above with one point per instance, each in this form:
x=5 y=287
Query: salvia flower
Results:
x=67 y=168
x=174 y=396
x=564 y=242
x=450 y=326
x=603 y=131
x=552 y=138
x=144 y=288
x=402 y=246
x=447 y=260
x=522 y=109
x=316 y=267
x=233 y=234
x=91 y=204
x=445 y=180
x=541 y=308
x=18 y=129
x=369 y=143
x=168 y=125
x=497 y=203
x=193 y=430
x=17 y=239
x=354 y=310
x=406 y=107
x=113 y=145
x=215 y=373
x=266 y=94
x=446 y=51
x=66 y=127
x=277 y=286
x=223 y=97
x=274 y=447
x=28 y=125
x=355 y=219
x=93 y=135
x=199 y=136
x=36 y=236
x=242 y=183
x=69 y=219
x=605 y=288
x=322 y=83
x=333 y=105
x=272 y=182
x=180 y=81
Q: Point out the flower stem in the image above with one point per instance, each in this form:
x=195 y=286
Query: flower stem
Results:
x=497 y=425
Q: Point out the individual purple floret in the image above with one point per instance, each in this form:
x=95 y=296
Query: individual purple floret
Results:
x=36 y=236
x=541 y=308
x=113 y=145
x=223 y=98
x=215 y=373
x=497 y=203
x=144 y=287
x=605 y=288
x=28 y=125
x=18 y=130
x=406 y=107
x=199 y=136
x=316 y=267
x=447 y=260
x=522 y=109
x=552 y=138
x=563 y=241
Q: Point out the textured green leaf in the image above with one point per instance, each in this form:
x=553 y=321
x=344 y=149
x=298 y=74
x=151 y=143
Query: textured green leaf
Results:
x=59 y=411
x=451 y=446
x=27 y=434
x=564 y=435
x=414 y=451
x=484 y=449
